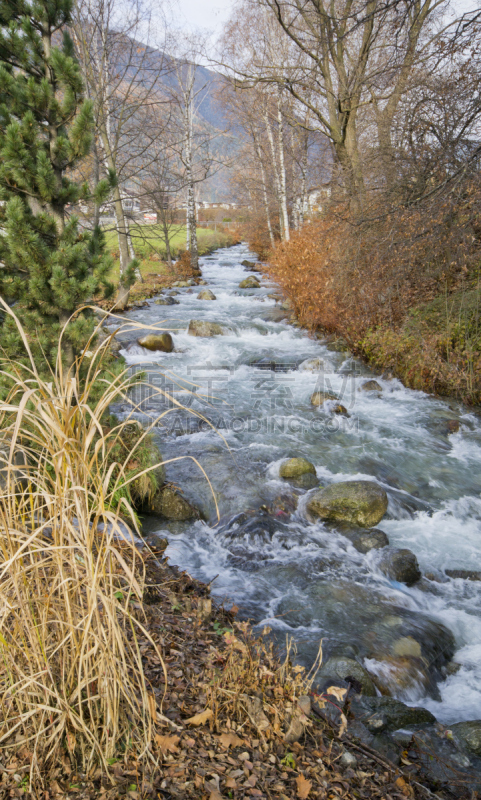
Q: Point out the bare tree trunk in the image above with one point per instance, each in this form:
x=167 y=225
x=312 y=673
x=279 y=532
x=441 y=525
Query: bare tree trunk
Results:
x=282 y=167
x=264 y=188
x=192 y=243
x=275 y=170
x=165 y=229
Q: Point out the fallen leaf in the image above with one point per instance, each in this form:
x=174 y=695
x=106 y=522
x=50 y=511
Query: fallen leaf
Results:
x=338 y=692
x=231 y=783
x=201 y=719
x=167 y=744
x=303 y=787
x=214 y=795
x=230 y=740
x=229 y=638
x=343 y=728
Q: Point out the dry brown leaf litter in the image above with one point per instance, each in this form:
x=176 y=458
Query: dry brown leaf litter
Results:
x=223 y=720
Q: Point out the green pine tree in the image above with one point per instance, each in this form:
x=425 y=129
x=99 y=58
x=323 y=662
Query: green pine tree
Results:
x=49 y=267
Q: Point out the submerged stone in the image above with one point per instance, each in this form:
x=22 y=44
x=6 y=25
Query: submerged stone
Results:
x=400 y=565
x=468 y=735
x=206 y=294
x=319 y=398
x=371 y=386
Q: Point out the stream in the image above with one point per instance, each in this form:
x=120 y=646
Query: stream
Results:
x=300 y=577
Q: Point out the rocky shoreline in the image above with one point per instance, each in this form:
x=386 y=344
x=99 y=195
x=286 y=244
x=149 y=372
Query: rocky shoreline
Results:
x=386 y=726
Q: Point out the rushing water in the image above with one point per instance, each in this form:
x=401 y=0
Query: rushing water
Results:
x=301 y=577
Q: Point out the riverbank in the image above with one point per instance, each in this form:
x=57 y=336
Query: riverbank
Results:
x=232 y=720
x=156 y=273
x=405 y=309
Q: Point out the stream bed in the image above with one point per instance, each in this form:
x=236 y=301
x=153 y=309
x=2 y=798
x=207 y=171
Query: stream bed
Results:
x=300 y=577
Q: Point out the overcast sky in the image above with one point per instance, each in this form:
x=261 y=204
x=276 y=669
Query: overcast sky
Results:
x=210 y=14
x=206 y=14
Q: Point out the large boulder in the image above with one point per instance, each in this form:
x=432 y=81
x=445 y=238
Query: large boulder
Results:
x=249 y=283
x=206 y=294
x=319 y=398
x=200 y=327
x=162 y=341
x=295 y=467
x=361 y=503
x=171 y=504
x=400 y=565
x=468 y=735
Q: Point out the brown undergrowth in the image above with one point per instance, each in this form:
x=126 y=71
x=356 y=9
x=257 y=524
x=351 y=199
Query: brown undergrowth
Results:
x=228 y=705
x=403 y=288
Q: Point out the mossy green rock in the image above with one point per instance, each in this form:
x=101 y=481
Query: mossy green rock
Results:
x=295 y=467
x=361 y=503
x=249 y=283
x=200 y=327
x=170 y=504
x=206 y=294
x=163 y=342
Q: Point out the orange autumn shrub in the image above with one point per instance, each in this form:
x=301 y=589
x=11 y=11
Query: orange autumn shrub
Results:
x=367 y=280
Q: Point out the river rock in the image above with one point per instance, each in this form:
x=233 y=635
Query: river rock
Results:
x=361 y=503
x=465 y=574
x=319 y=398
x=181 y=284
x=451 y=426
x=312 y=365
x=200 y=327
x=166 y=301
x=400 y=565
x=206 y=294
x=371 y=386
x=173 y=293
x=162 y=341
x=249 y=283
x=468 y=735
x=248 y=264
x=345 y=668
x=365 y=541
x=338 y=408
x=172 y=505
x=295 y=467
x=387 y=714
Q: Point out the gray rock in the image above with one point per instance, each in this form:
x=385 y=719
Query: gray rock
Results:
x=386 y=713
x=295 y=467
x=206 y=294
x=371 y=386
x=345 y=668
x=465 y=574
x=248 y=264
x=163 y=342
x=200 y=327
x=348 y=759
x=365 y=541
x=166 y=301
x=468 y=735
x=400 y=565
x=361 y=503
